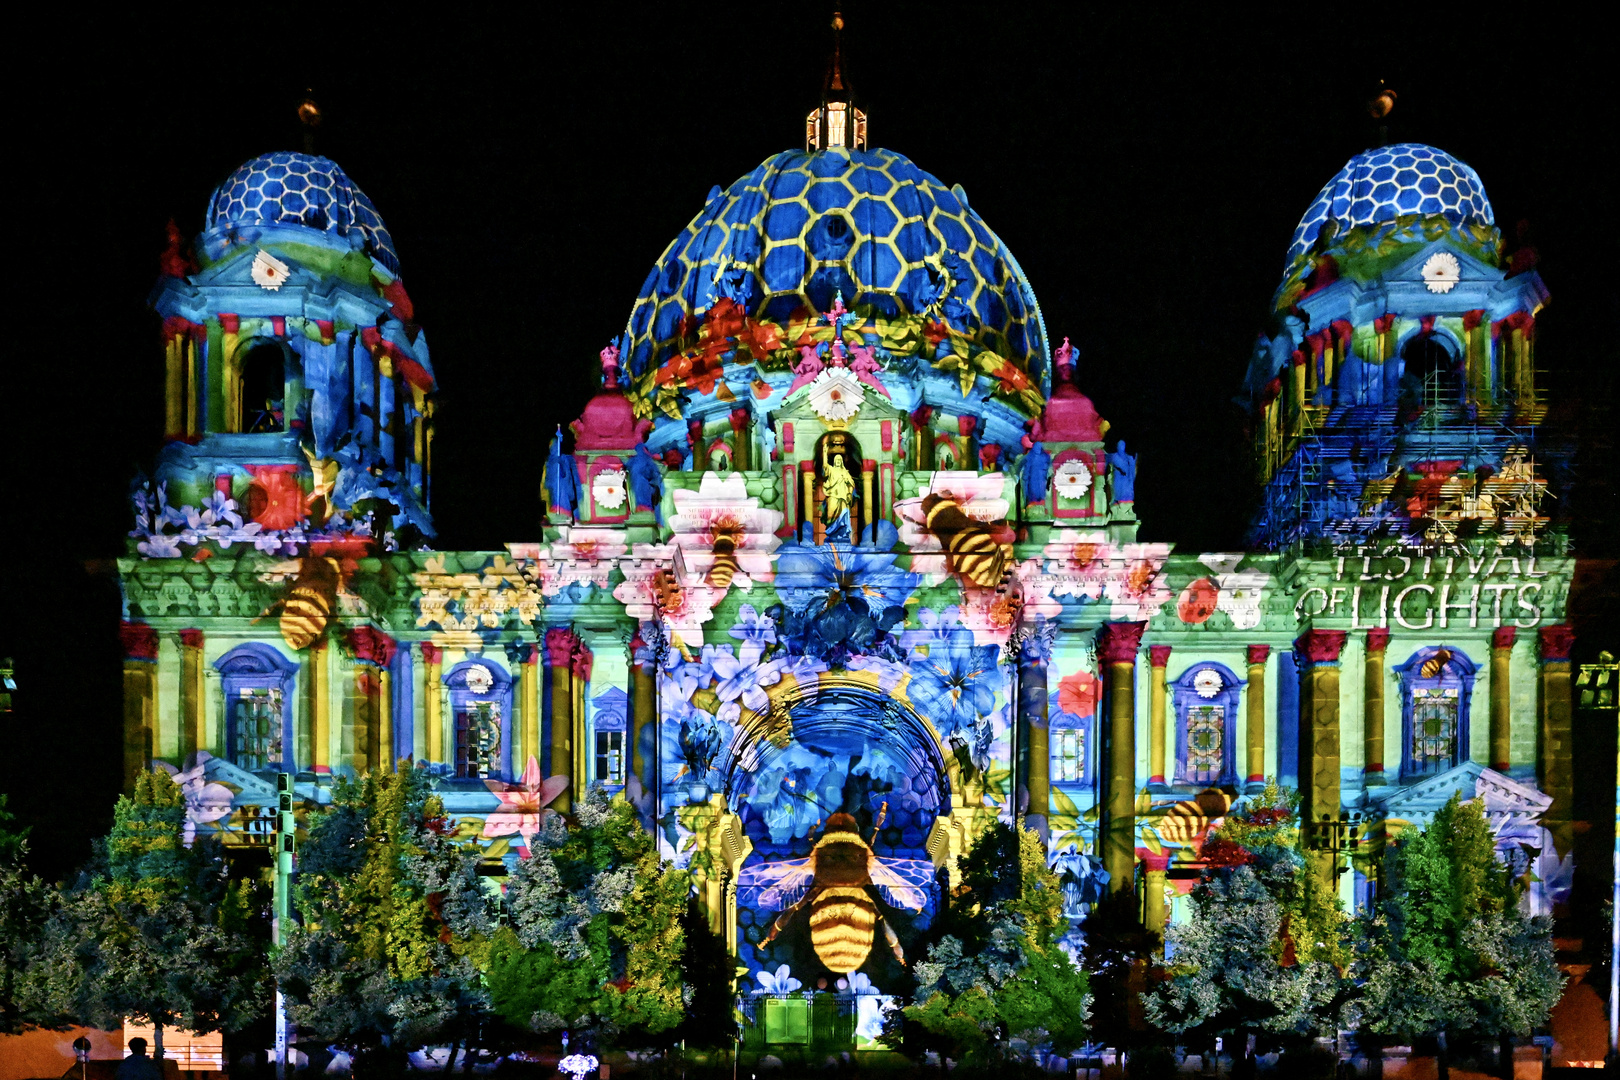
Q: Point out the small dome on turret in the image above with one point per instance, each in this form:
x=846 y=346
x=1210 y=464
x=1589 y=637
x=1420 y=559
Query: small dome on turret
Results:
x=288 y=188
x=1391 y=182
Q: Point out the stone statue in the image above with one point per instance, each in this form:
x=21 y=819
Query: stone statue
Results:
x=1035 y=469
x=562 y=478
x=1124 y=466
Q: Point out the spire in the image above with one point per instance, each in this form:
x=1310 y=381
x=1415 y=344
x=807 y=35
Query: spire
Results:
x=836 y=121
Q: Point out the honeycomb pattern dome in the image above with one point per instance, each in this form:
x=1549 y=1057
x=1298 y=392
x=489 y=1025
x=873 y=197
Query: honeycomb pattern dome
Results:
x=870 y=225
x=300 y=189
x=1383 y=184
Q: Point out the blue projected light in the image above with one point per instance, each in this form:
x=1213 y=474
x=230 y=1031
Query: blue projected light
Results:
x=300 y=189
x=1383 y=184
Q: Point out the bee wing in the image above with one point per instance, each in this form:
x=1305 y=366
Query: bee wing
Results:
x=904 y=883
x=778 y=884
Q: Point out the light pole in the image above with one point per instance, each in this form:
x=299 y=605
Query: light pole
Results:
x=286 y=826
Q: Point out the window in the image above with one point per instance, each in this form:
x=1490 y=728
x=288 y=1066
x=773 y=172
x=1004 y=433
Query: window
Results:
x=262 y=389
x=1437 y=683
x=256 y=728
x=259 y=684
x=1069 y=756
x=1434 y=730
x=610 y=757
x=1206 y=705
x=478 y=739
x=1206 y=743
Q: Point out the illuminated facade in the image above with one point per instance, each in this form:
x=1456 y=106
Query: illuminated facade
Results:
x=841 y=534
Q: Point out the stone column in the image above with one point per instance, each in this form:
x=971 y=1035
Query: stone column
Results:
x=529 y=689
x=1155 y=915
x=643 y=706
x=561 y=642
x=386 y=754
x=1502 y=698
x=1158 y=657
x=1033 y=715
x=1317 y=653
x=193 y=707
x=1557 y=722
x=1254 y=734
x=432 y=688
x=320 y=710
x=140 y=698
x=742 y=440
x=1116 y=648
x=1372 y=709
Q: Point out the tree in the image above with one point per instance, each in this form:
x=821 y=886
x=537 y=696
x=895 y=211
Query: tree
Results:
x=31 y=992
x=596 y=937
x=155 y=931
x=1265 y=951
x=396 y=925
x=1450 y=953
x=996 y=985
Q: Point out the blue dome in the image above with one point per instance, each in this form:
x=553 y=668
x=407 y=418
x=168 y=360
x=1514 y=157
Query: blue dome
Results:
x=1389 y=182
x=300 y=189
x=803 y=227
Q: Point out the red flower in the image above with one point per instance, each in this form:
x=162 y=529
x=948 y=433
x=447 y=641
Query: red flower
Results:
x=1197 y=601
x=935 y=332
x=1218 y=854
x=762 y=339
x=725 y=319
x=1077 y=694
x=275 y=499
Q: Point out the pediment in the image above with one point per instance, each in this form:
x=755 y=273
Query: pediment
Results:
x=1473 y=270
x=251 y=786
x=1504 y=796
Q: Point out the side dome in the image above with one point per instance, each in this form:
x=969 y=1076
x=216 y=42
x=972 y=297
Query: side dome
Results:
x=1390 y=182
x=287 y=188
x=805 y=227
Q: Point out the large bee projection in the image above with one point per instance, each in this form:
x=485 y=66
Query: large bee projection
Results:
x=837 y=882
x=977 y=550
x=307 y=605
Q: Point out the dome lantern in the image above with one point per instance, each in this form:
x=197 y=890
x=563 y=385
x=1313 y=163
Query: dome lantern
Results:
x=836 y=122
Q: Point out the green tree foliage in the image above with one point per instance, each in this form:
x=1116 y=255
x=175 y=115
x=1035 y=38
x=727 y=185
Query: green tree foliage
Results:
x=1450 y=952
x=596 y=937
x=31 y=987
x=395 y=924
x=155 y=931
x=996 y=985
x=1264 y=952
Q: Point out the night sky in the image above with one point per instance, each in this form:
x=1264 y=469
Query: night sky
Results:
x=1146 y=171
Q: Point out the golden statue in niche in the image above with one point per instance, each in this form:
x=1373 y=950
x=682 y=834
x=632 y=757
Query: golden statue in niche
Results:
x=837 y=494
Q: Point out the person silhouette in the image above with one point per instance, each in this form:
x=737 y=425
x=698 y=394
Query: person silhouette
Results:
x=137 y=1066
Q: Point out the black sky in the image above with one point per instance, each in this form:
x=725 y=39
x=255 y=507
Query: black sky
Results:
x=1146 y=169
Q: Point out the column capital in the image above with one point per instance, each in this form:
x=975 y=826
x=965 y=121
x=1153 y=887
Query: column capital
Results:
x=561 y=643
x=139 y=639
x=1258 y=654
x=1377 y=639
x=1153 y=861
x=191 y=639
x=1503 y=637
x=1315 y=647
x=370 y=645
x=520 y=652
x=1556 y=642
x=1158 y=655
x=431 y=653
x=1117 y=642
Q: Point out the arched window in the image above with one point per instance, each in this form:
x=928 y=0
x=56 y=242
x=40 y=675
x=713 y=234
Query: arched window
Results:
x=259 y=684
x=481 y=710
x=1206 y=706
x=609 y=718
x=1429 y=374
x=1437 y=686
x=262 y=389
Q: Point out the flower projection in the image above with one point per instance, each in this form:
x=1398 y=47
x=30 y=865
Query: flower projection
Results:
x=523 y=804
x=956 y=682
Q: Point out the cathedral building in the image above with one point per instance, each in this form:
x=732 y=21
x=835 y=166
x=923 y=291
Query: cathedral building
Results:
x=842 y=549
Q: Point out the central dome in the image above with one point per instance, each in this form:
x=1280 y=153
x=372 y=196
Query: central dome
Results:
x=300 y=189
x=805 y=227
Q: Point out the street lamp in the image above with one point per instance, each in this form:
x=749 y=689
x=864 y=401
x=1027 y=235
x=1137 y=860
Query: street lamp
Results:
x=1339 y=836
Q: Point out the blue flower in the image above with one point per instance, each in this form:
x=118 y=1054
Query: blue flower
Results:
x=755 y=631
x=806 y=575
x=777 y=982
x=956 y=683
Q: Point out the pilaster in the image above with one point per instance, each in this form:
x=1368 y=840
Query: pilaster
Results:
x=1117 y=644
x=1255 y=718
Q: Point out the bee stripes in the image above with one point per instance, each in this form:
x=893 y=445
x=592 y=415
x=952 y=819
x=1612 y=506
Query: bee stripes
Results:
x=973 y=547
x=842 y=921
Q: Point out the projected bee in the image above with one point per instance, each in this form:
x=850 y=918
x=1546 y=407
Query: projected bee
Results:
x=307 y=606
x=977 y=550
x=836 y=881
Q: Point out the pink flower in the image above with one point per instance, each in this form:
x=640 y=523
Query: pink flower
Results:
x=523 y=804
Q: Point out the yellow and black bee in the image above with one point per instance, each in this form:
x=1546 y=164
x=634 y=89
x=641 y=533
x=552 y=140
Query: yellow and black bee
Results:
x=836 y=881
x=307 y=606
x=725 y=558
x=976 y=550
x=1434 y=665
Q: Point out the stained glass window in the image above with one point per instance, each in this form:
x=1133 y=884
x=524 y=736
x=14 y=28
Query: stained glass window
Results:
x=1070 y=759
x=478 y=739
x=610 y=757
x=1206 y=743
x=1434 y=729
x=256 y=738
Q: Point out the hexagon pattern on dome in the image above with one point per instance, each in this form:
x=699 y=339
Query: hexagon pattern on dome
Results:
x=871 y=225
x=301 y=189
x=1391 y=181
